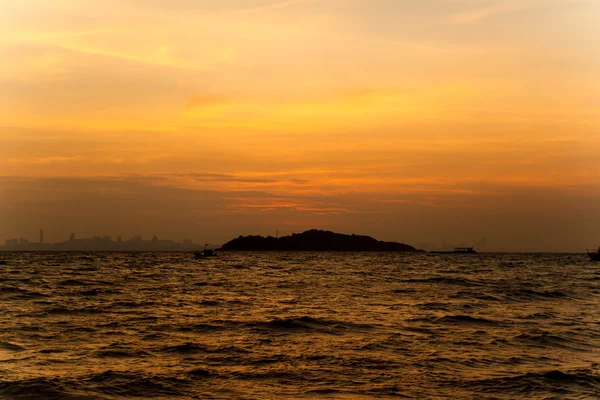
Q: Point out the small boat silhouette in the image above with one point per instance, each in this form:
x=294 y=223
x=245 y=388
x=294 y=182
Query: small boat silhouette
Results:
x=204 y=253
x=458 y=250
x=594 y=255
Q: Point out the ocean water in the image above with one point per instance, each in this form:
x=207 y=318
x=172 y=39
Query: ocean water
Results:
x=299 y=326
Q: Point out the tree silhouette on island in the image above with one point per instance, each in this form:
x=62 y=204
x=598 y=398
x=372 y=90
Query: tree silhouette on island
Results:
x=315 y=240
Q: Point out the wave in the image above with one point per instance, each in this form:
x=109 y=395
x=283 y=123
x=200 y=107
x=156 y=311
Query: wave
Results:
x=186 y=348
x=189 y=348
x=434 y=306
x=130 y=384
x=307 y=324
x=84 y=329
x=88 y=268
x=129 y=304
x=210 y=303
x=446 y=281
x=530 y=294
x=112 y=324
x=19 y=280
x=475 y=295
x=11 y=347
x=457 y=319
x=547 y=340
x=77 y=282
x=557 y=382
x=120 y=353
x=94 y=387
x=20 y=292
x=39 y=389
x=98 y=291
x=51 y=351
x=268 y=375
x=403 y=291
x=67 y=311
x=153 y=337
x=73 y=282
x=201 y=328
x=388 y=391
x=199 y=372
x=30 y=328
x=322 y=392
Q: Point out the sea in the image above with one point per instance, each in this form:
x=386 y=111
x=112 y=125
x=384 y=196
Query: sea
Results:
x=299 y=326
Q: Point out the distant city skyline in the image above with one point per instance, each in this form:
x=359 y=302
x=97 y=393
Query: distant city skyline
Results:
x=104 y=242
x=73 y=236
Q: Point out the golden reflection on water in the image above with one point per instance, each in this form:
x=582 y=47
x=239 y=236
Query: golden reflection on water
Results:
x=351 y=326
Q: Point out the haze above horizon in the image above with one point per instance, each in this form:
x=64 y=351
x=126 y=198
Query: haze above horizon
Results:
x=429 y=122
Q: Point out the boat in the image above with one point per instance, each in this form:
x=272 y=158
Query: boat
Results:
x=458 y=250
x=594 y=255
x=468 y=250
x=204 y=253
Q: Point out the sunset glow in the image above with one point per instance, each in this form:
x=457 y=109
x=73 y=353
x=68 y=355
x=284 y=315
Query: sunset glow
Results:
x=464 y=121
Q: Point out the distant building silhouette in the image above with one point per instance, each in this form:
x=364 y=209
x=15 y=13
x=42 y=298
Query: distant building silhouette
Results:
x=98 y=243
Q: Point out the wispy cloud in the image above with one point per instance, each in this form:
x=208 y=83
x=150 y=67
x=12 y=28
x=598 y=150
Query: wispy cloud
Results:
x=491 y=9
x=201 y=100
x=44 y=160
x=242 y=205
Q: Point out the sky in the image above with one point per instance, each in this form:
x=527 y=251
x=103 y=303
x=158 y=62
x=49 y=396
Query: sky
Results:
x=433 y=122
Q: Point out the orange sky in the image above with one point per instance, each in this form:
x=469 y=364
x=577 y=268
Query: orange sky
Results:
x=426 y=122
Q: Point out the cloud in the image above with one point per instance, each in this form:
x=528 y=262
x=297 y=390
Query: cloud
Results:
x=210 y=6
x=490 y=10
x=243 y=205
x=514 y=218
x=84 y=85
x=223 y=178
x=203 y=100
x=44 y=160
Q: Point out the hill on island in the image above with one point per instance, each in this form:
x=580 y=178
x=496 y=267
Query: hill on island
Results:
x=314 y=240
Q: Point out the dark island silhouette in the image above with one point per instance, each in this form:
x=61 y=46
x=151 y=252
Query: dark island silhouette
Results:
x=315 y=240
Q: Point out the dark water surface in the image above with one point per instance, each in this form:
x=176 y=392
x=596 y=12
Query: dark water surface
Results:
x=328 y=325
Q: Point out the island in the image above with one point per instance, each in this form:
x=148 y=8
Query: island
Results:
x=315 y=240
